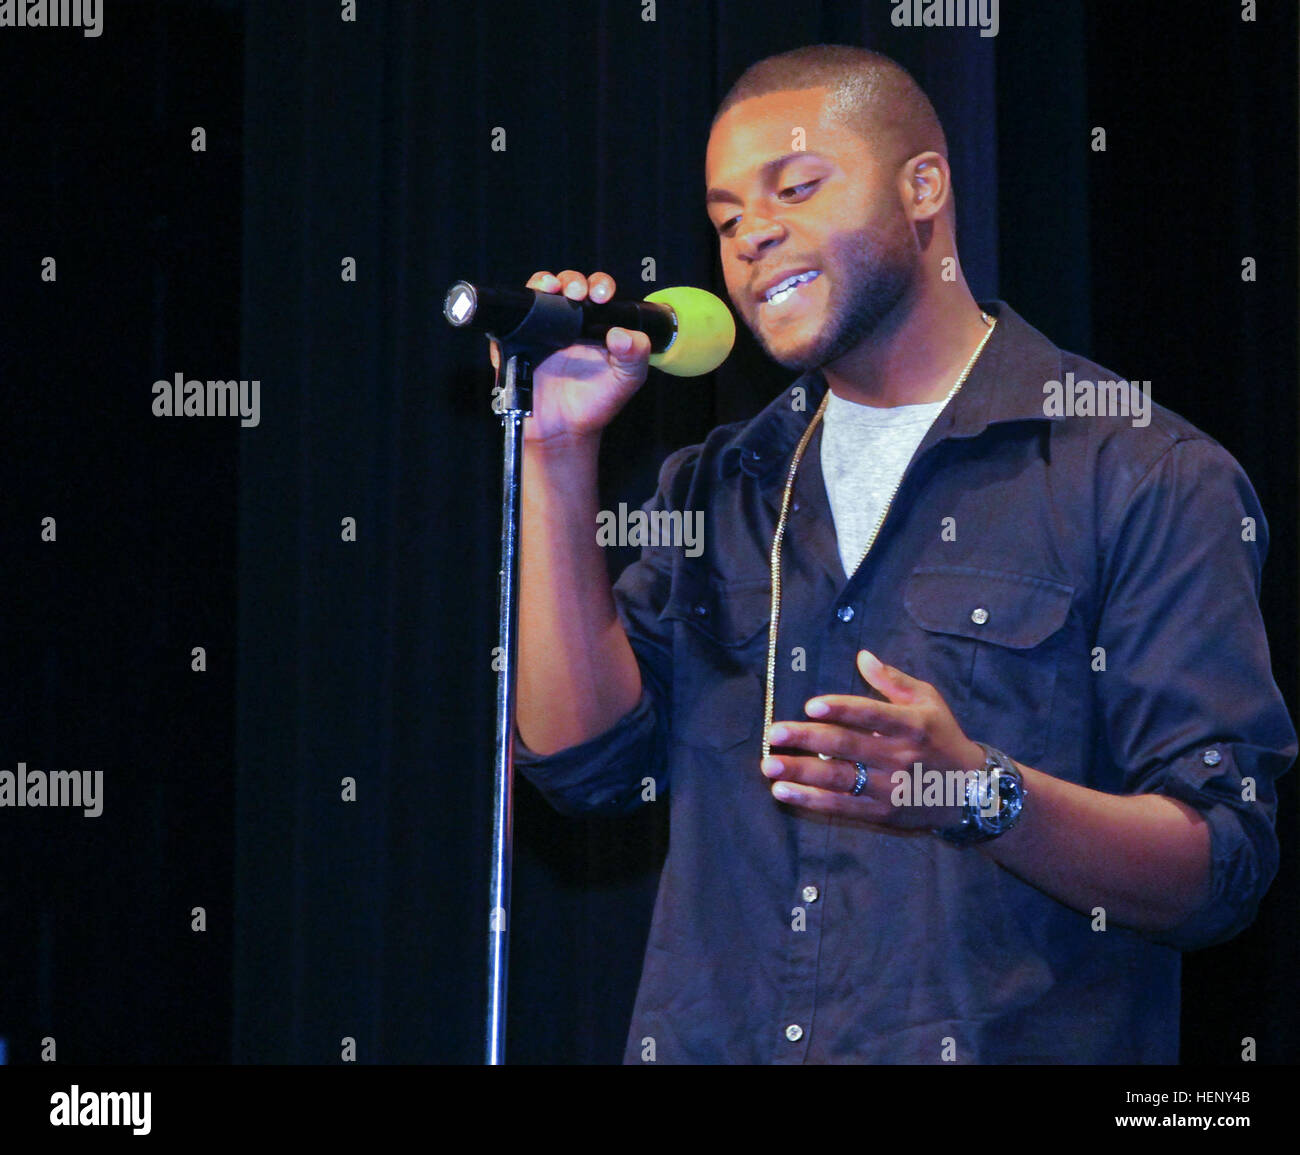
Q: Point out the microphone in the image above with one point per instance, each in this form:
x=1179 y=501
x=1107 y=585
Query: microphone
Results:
x=691 y=331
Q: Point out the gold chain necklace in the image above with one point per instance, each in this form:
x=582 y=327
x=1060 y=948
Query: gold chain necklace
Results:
x=770 y=695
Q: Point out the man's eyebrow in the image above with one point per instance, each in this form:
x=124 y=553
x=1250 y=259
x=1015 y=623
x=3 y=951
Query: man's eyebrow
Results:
x=714 y=195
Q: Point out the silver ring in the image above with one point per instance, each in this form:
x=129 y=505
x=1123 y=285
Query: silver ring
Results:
x=859 y=783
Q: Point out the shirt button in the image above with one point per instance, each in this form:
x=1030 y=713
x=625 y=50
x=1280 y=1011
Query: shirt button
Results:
x=796 y=507
x=845 y=613
x=810 y=894
x=1211 y=757
x=700 y=610
x=794 y=1032
x=979 y=615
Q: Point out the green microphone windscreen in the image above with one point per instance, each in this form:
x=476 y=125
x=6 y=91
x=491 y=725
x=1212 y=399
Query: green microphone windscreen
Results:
x=705 y=332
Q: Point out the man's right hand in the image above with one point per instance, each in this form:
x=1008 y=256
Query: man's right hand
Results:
x=578 y=674
x=579 y=390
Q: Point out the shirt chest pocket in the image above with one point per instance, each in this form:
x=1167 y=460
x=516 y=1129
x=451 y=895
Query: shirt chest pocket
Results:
x=992 y=644
x=719 y=659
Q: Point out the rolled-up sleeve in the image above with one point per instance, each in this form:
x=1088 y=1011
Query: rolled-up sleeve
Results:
x=607 y=774
x=617 y=771
x=1188 y=698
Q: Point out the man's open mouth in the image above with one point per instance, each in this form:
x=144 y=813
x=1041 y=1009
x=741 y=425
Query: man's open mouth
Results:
x=779 y=293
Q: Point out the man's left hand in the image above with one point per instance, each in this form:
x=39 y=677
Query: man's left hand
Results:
x=913 y=725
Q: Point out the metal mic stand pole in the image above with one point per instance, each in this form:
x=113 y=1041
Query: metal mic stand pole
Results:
x=513 y=399
x=536 y=325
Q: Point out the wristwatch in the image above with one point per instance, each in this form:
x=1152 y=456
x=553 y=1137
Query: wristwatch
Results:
x=995 y=797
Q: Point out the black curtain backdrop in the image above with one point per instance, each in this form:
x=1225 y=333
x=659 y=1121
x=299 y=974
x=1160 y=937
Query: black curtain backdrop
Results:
x=371 y=659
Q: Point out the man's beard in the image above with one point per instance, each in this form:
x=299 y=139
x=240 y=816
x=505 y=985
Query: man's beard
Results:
x=876 y=273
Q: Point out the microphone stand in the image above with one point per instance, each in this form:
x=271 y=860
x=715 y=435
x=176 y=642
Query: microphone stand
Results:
x=513 y=399
x=548 y=322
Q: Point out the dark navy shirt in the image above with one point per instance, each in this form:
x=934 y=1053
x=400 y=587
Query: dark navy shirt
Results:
x=1120 y=646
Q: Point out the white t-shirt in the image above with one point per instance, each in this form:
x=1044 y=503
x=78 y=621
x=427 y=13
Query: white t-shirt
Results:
x=864 y=451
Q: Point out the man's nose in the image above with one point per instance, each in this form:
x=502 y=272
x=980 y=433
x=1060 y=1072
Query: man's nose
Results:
x=756 y=237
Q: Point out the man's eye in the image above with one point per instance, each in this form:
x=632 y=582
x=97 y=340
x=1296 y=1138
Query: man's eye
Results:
x=795 y=192
x=800 y=189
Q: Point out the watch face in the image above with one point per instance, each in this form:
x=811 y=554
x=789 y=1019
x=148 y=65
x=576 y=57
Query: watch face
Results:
x=994 y=799
x=999 y=802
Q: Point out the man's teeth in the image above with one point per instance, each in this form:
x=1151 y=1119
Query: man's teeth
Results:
x=786 y=289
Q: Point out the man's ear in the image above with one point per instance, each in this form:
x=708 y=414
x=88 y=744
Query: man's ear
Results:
x=925 y=183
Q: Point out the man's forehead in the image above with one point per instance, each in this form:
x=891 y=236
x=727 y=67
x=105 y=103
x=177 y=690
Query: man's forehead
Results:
x=756 y=130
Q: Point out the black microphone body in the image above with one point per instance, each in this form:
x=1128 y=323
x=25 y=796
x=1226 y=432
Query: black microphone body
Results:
x=550 y=320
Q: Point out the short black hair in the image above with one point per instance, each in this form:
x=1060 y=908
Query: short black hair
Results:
x=876 y=96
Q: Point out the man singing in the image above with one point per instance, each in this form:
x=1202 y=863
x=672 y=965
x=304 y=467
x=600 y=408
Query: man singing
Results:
x=914 y=565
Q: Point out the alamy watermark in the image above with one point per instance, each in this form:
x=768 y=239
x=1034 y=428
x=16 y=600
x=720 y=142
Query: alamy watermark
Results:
x=77 y=1108
x=1071 y=398
x=181 y=398
x=944 y=788
x=981 y=14
x=88 y=15
x=82 y=789
x=660 y=527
